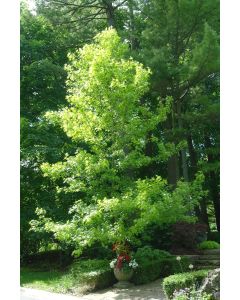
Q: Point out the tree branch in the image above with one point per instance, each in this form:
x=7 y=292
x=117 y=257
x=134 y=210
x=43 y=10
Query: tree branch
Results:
x=78 y=6
x=83 y=19
x=120 y=4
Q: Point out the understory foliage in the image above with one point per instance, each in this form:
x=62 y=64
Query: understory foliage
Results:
x=107 y=112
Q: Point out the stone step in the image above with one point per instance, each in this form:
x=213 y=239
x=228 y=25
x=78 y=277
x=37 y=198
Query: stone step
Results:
x=208 y=257
x=192 y=257
x=207 y=262
x=211 y=252
x=204 y=268
x=196 y=268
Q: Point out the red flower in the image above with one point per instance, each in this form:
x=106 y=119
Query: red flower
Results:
x=121 y=258
x=128 y=258
x=120 y=261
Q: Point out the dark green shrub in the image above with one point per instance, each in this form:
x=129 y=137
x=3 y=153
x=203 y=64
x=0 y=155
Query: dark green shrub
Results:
x=214 y=236
x=172 y=266
x=183 y=280
x=207 y=245
x=148 y=253
x=154 y=263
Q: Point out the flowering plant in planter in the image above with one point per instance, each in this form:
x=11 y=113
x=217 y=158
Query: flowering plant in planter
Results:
x=124 y=264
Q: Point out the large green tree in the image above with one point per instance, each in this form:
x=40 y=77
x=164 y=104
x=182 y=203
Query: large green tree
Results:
x=181 y=45
x=43 y=54
x=106 y=112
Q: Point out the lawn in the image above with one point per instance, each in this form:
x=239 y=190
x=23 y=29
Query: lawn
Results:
x=54 y=281
x=79 y=278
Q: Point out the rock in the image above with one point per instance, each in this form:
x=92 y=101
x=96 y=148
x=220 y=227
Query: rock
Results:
x=211 y=284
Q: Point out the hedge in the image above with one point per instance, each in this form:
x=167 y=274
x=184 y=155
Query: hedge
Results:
x=183 y=280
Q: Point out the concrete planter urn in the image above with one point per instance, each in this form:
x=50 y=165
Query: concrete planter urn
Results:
x=123 y=276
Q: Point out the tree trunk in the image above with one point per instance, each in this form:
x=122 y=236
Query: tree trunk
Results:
x=201 y=211
x=214 y=184
x=133 y=40
x=183 y=151
x=110 y=14
x=173 y=170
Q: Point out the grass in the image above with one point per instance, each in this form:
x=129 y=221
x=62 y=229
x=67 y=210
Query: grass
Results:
x=54 y=281
x=80 y=277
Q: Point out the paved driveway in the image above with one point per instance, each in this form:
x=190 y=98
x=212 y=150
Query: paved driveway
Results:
x=31 y=294
x=151 y=291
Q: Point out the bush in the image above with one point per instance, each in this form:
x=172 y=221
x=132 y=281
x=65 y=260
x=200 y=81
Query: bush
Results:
x=187 y=235
x=95 y=273
x=183 y=280
x=148 y=253
x=214 y=236
x=208 y=245
x=154 y=263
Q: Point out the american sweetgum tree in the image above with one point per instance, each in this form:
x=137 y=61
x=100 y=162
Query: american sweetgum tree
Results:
x=106 y=113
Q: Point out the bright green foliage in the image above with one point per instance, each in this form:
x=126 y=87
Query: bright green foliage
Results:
x=208 y=245
x=124 y=217
x=107 y=115
x=183 y=280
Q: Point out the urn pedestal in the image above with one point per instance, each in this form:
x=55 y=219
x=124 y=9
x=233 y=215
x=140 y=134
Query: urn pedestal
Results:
x=123 y=278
